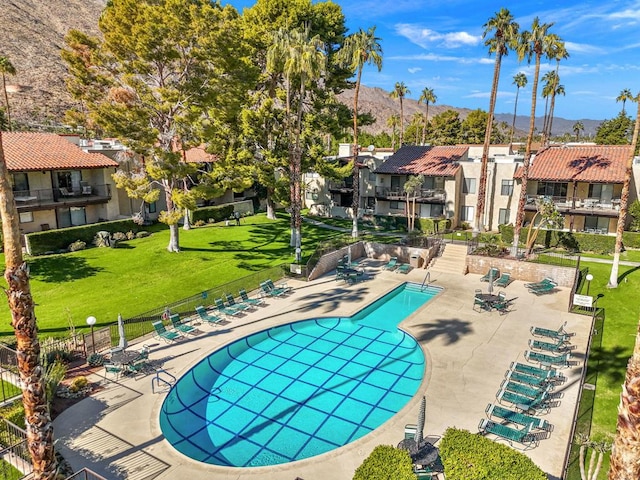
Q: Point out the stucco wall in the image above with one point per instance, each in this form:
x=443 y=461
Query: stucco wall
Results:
x=525 y=271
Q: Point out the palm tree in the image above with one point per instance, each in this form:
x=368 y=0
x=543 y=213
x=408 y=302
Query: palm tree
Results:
x=6 y=68
x=505 y=32
x=23 y=319
x=624 y=200
x=577 y=128
x=559 y=52
x=624 y=96
x=559 y=90
x=417 y=122
x=520 y=81
x=400 y=91
x=359 y=49
x=550 y=81
x=300 y=59
x=393 y=121
x=534 y=43
x=427 y=96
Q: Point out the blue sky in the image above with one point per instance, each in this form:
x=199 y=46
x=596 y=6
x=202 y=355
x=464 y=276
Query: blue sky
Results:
x=438 y=44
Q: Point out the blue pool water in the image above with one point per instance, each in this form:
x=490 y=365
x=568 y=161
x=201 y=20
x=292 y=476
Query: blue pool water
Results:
x=300 y=389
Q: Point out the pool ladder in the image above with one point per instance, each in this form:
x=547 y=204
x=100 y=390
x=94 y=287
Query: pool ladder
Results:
x=427 y=279
x=158 y=380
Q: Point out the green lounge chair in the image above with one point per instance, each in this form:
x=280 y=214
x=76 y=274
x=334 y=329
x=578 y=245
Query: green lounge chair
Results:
x=523 y=419
x=180 y=327
x=233 y=304
x=524 y=390
x=508 y=433
x=561 y=361
x=548 y=288
x=524 y=403
x=558 y=347
x=281 y=286
x=268 y=291
x=249 y=301
x=541 y=283
x=228 y=311
x=162 y=333
x=504 y=280
x=549 y=375
x=525 y=379
x=391 y=264
x=410 y=430
x=403 y=268
x=207 y=317
x=493 y=273
x=559 y=334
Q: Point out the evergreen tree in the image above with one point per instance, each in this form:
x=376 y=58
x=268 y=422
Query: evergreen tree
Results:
x=616 y=131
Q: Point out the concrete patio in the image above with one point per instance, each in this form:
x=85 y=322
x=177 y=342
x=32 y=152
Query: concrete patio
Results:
x=115 y=432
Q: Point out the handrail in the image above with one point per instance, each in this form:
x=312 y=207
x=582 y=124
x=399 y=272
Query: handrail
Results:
x=157 y=379
x=427 y=279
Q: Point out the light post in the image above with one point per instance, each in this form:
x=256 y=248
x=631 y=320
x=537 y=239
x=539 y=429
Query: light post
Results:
x=589 y=277
x=91 y=321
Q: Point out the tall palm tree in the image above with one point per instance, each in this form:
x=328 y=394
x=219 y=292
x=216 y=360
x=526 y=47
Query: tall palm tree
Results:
x=558 y=51
x=505 y=32
x=624 y=200
x=393 y=121
x=624 y=96
x=559 y=90
x=427 y=96
x=533 y=43
x=400 y=91
x=520 y=81
x=417 y=122
x=301 y=59
x=6 y=68
x=578 y=127
x=23 y=320
x=359 y=49
x=550 y=80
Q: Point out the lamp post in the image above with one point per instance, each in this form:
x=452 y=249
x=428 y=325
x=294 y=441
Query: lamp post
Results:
x=589 y=277
x=91 y=321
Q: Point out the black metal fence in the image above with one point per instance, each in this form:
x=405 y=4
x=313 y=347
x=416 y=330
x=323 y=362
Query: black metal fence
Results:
x=9 y=378
x=14 y=454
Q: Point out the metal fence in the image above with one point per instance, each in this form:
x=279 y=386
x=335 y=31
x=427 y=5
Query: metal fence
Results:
x=13 y=451
x=9 y=378
x=85 y=474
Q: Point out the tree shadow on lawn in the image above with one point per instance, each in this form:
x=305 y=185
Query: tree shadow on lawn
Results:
x=61 y=268
x=610 y=363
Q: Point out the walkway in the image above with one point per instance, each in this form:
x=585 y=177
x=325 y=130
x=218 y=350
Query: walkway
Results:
x=116 y=433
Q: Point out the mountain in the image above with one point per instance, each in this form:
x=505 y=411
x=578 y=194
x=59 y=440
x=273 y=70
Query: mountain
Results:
x=33 y=36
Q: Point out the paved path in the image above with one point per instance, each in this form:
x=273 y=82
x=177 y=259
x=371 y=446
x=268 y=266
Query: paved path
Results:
x=116 y=433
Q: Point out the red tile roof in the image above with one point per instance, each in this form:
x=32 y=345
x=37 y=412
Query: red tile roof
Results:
x=28 y=151
x=589 y=163
x=199 y=155
x=439 y=161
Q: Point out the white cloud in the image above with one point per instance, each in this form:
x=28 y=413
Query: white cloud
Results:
x=432 y=57
x=425 y=37
x=414 y=69
x=573 y=47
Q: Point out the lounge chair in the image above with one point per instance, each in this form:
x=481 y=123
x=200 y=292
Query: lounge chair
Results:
x=504 y=280
x=493 y=273
x=162 y=333
x=410 y=430
x=268 y=291
x=524 y=403
x=523 y=419
x=541 y=283
x=558 y=347
x=249 y=301
x=233 y=304
x=207 y=317
x=392 y=264
x=228 y=311
x=508 y=433
x=561 y=361
x=558 y=334
x=180 y=327
x=281 y=286
x=403 y=268
x=525 y=379
x=548 y=288
x=524 y=390
x=549 y=375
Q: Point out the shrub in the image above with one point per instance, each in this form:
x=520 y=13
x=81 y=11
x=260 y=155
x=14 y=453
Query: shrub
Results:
x=119 y=236
x=217 y=213
x=77 y=245
x=200 y=223
x=130 y=235
x=386 y=462
x=78 y=384
x=58 y=354
x=142 y=234
x=14 y=412
x=53 y=375
x=95 y=360
x=469 y=456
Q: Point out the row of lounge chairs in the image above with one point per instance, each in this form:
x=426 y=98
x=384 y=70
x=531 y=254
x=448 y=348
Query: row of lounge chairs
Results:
x=546 y=285
x=395 y=266
x=527 y=390
x=498 y=280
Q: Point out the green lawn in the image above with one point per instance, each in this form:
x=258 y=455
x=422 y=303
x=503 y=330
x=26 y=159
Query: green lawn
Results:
x=141 y=274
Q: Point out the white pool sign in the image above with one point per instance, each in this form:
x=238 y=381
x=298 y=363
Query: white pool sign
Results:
x=583 y=300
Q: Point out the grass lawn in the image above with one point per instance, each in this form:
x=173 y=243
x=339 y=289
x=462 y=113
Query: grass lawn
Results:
x=141 y=274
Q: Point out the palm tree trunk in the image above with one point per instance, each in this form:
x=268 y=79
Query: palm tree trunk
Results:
x=401 y=123
x=550 y=123
x=624 y=204
x=23 y=320
x=356 y=174
x=624 y=454
x=6 y=101
x=424 y=127
x=513 y=123
x=526 y=162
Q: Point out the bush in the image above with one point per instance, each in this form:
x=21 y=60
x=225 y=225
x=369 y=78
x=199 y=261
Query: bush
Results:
x=119 y=236
x=58 y=354
x=131 y=235
x=217 y=213
x=95 y=360
x=77 y=245
x=142 y=234
x=14 y=413
x=386 y=462
x=78 y=384
x=53 y=375
x=468 y=456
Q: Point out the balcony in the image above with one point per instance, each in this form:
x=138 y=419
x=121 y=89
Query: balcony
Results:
x=341 y=187
x=579 y=206
x=422 y=196
x=89 y=194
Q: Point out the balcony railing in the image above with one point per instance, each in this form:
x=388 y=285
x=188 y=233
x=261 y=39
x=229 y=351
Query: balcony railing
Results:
x=424 y=195
x=51 y=197
x=585 y=206
x=340 y=186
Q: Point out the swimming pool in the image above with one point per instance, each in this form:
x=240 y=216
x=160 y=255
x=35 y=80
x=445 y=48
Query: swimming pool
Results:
x=300 y=389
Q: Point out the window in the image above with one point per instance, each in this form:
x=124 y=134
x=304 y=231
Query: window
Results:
x=20 y=182
x=152 y=207
x=469 y=185
x=466 y=213
x=600 y=191
x=372 y=176
x=431 y=210
x=371 y=202
x=26 y=217
x=394 y=205
x=596 y=224
x=503 y=216
x=70 y=217
x=550 y=189
x=507 y=187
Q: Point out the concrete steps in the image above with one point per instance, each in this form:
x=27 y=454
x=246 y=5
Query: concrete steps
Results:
x=452 y=260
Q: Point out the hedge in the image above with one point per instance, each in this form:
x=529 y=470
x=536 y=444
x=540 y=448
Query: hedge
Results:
x=39 y=243
x=386 y=462
x=217 y=213
x=469 y=456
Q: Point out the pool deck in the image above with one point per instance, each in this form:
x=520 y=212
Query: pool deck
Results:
x=115 y=432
